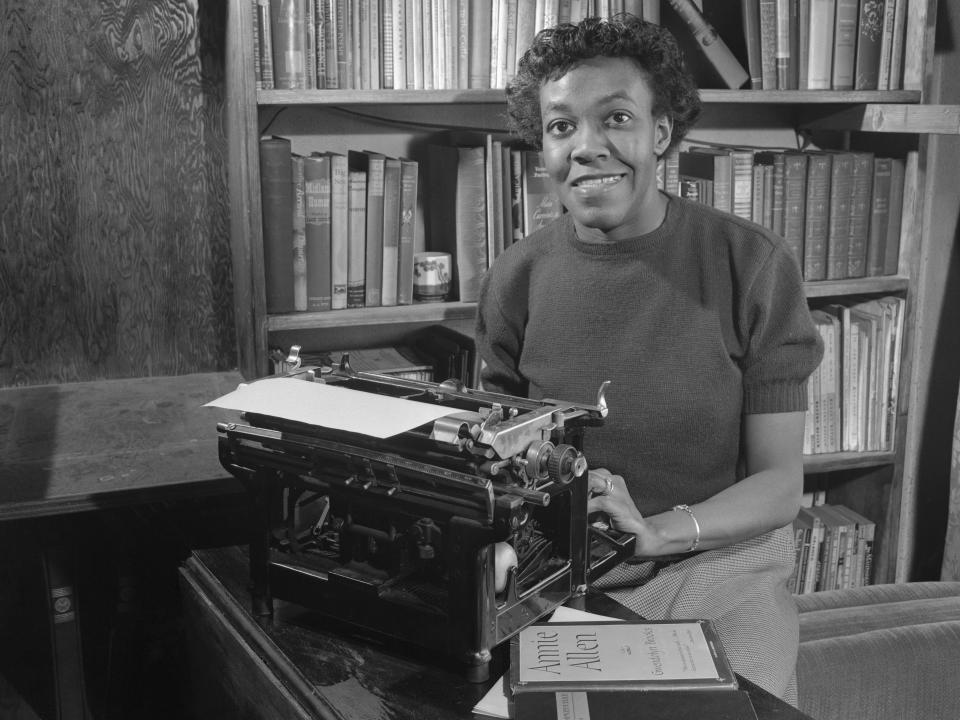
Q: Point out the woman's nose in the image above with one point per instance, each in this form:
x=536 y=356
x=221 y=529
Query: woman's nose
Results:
x=589 y=143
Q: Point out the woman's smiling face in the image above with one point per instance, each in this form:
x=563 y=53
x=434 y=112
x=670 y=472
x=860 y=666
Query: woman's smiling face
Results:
x=600 y=146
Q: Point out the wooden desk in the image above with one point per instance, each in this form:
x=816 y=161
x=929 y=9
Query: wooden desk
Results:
x=302 y=666
x=82 y=446
x=76 y=447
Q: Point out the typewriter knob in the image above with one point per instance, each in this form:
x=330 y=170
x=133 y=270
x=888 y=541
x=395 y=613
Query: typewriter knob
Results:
x=566 y=463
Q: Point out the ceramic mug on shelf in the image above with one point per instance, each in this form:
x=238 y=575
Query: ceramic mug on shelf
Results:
x=431 y=276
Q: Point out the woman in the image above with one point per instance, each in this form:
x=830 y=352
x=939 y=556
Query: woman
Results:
x=697 y=318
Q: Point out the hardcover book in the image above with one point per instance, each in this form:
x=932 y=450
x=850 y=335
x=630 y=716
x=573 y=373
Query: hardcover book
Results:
x=860 y=214
x=316 y=170
x=299 y=235
x=339 y=228
x=409 y=191
x=649 y=655
x=391 y=231
x=276 y=197
x=597 y=669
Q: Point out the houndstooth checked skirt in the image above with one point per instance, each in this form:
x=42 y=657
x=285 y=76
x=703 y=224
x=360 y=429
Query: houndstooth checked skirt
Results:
x=741 y=588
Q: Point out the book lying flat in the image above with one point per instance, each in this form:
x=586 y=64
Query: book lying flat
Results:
x=580 y=670
x=649 y=655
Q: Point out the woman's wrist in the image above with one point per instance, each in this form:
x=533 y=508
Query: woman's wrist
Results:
x=673 y=532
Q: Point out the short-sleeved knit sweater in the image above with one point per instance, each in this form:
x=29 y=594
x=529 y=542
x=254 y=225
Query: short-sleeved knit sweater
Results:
x=695 y=324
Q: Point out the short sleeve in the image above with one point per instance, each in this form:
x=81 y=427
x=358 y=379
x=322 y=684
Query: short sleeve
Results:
x=784 y=347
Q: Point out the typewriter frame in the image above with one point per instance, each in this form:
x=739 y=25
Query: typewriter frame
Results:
x=281 y=462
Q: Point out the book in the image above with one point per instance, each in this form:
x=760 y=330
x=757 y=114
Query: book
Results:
x=356 y=237
x=714 y=164
x=299 y=234
x=750 y=16
x=767 y=13
x=409 y=194
x=540 y=203
x=264 y=44
x=820 y=53
x=316 y=172
x=471 y=222
x=844 y=44
x=650 y=655
x=895 y=80
x=891 y=253
x=886 y=44
x=786 y=35
x=276 y=198
x=479 y=44
x=794 y=201
x=723 y=62
x=816 y=216
x=861 y=195
x=331 y=39
x=289 y=37
x=372 y=164
x=870 y=30
x=839 y=206
x=879 y=216
x=339 y=228
x=391 y=231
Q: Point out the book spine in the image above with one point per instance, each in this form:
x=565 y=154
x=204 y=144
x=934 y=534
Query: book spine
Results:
x=299 y=235
x=391 y=231
x=471 y=222
x=816 y=217
x=409 y=179
x=785 y=62
x=398 y=46
x=897 y=49
x=357 y=237
x=767 y=11
x=276 y=196
x=463 y=44
x=879 y=216
x=265 y=35
x=287 y=23
x=257 y=47
x=743 y=184
x=426 y=20
x=331 y=43
x=886 y=45
x=779 y=199
x=840 y=203
x=309 y=45
x=339 y=229
x=373 y=33
x=344 y=63
x=794 y=195
x=480 y=38
x=870 y=34
x=723 y=61
x=803 y=44
x=860 y=214
x=374 y=231
x=320 y=35
x=316 y=171
x=541 y=204
x=820 y=56
x=750 y=12
x=891 y=255
x=844 y=44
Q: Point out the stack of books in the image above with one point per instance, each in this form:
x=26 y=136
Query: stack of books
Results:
x=834 y=547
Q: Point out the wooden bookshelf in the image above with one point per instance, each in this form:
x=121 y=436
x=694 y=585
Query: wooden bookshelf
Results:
x=886 y=482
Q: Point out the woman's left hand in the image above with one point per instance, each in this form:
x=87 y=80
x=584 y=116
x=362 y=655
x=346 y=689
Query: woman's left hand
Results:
x=608 y=494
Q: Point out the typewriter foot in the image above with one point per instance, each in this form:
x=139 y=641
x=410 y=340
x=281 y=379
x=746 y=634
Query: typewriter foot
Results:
x=478 y=672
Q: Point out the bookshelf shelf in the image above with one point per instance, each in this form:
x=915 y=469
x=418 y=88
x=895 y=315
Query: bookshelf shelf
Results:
x=856 y=286
x=828 y=462
x=416 y=313
x=886 y=100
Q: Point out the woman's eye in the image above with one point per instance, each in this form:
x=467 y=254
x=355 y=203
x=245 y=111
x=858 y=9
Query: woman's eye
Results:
x=559 y=127
x=619 y=118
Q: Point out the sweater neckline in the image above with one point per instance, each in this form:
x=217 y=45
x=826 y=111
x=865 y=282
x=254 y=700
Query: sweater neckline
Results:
x=628 y=246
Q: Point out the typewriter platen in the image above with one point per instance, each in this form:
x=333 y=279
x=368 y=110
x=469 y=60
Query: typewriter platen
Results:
x=453 y=535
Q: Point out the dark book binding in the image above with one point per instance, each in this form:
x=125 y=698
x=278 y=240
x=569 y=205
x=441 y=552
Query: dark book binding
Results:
x=276 y=196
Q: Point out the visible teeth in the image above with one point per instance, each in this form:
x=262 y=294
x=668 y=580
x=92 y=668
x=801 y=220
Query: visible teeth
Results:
x=595 y=182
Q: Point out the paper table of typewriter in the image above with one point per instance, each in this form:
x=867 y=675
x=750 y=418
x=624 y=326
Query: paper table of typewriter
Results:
x=448 y=517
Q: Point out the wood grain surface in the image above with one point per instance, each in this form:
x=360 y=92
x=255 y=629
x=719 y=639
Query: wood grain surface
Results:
x=114 y=248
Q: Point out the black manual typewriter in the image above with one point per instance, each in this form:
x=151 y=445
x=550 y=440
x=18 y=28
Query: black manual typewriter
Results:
x=453 y=535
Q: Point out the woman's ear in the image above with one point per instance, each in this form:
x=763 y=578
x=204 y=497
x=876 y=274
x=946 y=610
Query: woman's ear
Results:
x=663 y=132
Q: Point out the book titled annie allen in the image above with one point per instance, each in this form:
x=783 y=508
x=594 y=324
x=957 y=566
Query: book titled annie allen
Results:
x=576 y=669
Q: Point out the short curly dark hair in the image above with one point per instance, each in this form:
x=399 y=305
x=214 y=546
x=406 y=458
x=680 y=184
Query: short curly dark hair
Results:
x=558 y=49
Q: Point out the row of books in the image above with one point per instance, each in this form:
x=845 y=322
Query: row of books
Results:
x=483 y=196
x=852 y=395
x=338 y=229
x=840 y=211
x=834 y=549
x=825 y=44
x=439 y=44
